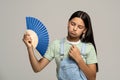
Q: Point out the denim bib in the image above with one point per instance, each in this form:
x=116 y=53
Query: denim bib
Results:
x=68 y=69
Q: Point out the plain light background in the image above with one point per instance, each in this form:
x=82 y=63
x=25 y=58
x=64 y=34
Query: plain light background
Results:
x=14 y=61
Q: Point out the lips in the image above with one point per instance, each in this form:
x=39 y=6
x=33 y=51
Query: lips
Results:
x=73 y=33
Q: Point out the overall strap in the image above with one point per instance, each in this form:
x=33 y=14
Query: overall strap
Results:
x=62 y=48
x=83 y=48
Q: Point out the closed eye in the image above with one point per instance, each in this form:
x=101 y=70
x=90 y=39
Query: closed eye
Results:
x=80 y=27
x=73 y=24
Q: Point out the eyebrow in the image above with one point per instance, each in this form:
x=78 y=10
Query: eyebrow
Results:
x=78 y=25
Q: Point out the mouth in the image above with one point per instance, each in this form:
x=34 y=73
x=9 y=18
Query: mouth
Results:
x=73 y=33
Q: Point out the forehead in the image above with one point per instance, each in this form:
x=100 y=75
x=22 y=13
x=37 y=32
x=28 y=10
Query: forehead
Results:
x=78 y=21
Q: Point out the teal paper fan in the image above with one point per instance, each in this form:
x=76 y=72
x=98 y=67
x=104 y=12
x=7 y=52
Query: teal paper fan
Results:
x=39 y=34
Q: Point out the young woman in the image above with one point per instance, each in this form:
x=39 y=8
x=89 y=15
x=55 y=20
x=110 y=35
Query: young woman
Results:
x=73 y=65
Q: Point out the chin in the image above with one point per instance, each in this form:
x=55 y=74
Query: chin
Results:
x=73 y=36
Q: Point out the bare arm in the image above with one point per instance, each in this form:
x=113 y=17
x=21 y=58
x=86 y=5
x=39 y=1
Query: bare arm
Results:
x=37 y=65
x=89 y=70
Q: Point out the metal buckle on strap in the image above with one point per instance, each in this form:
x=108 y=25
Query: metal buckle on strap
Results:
x=62 y=49
x=61 y=56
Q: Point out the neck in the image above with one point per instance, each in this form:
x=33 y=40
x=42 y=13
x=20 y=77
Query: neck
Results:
x=72 y=39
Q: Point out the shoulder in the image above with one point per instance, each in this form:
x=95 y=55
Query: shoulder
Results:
x=56 y=42
x=89 y=47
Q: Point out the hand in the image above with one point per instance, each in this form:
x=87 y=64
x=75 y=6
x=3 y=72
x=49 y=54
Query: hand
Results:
x=27 y=40
x=74 y=53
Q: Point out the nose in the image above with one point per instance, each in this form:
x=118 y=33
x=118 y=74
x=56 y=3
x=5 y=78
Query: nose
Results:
x=75 y=28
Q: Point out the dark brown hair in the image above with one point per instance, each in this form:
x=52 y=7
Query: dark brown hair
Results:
x=88 y=38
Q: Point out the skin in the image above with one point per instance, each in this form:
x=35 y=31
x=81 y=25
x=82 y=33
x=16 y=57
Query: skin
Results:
x=37 y=65
x=76 y=27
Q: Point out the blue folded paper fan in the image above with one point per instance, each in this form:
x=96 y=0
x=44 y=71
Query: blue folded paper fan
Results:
x=39 y=34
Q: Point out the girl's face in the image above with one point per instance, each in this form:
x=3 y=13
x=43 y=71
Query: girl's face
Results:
x=76 y=27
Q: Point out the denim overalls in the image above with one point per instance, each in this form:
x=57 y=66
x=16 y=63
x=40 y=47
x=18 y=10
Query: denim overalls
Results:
x=68 y=69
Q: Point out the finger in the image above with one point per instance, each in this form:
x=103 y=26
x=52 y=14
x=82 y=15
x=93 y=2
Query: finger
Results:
x=71 y=47
x=27 y=36
x=27 y=39
x=27 y=33
x=70 y=51
x=74 y=46
x=70 y=54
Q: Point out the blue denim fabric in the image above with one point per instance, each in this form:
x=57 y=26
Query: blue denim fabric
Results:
x=68 y=69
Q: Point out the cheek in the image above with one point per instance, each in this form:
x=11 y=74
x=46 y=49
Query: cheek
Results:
x=69 y=28
x=80 y=32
